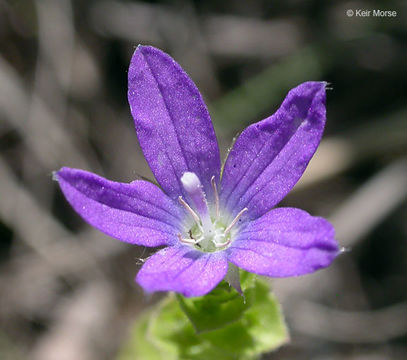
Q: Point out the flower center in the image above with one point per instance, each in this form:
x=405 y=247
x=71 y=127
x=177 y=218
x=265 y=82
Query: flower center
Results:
x=209 y=232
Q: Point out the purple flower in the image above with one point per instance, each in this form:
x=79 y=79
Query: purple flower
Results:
x=207 y=218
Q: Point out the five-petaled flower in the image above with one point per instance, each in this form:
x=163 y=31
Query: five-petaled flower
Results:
x=208 y=220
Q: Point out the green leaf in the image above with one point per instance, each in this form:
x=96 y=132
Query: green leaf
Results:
x=265 y=321
x=221 y=307
x=165 y=332
x=216 y=310
x=261 y=328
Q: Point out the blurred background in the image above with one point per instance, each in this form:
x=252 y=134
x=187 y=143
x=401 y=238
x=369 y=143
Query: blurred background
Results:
x=67 y=291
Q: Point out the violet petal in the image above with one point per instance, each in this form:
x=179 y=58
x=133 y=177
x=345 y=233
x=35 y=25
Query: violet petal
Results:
x=137 y=213
x=270 y=156
x=172 y=122
x=284 y=242
x=184 y=270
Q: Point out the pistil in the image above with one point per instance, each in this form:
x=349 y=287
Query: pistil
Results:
x=193 y=187
x=215 y=191
x=209 y=233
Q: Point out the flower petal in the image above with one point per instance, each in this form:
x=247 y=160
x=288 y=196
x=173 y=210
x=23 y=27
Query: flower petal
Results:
x=270 y=156
x=172 y=122
x=284 y=242
x=184 y=270
x=137 y=213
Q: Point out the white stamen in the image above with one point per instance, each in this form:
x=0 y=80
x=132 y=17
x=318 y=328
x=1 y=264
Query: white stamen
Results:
x=191 y=212
x=215 y=191
x=235 y=220
x=187 y=241
x=226 y=243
